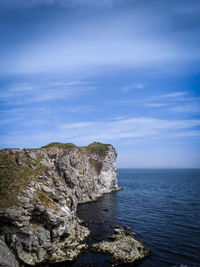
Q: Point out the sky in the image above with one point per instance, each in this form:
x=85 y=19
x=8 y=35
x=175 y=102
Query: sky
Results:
x=125 y=72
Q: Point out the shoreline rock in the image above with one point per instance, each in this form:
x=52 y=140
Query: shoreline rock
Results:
x=123 y=248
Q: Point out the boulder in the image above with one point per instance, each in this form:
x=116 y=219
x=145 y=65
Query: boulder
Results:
x=123 y=249
x=7 y=258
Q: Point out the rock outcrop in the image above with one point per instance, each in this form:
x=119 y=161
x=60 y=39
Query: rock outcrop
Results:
x=39 y=193
x=6 y=257
x=123 y=248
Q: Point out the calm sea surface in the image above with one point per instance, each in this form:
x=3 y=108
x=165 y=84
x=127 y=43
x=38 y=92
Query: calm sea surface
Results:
x=162 y=206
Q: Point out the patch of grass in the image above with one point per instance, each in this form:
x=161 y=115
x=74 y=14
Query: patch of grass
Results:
x=98 y=148
x=34 y=226
x=14 y=178
x=44 y=199
x=95 y=147
x=96 y=165
x=59 y=145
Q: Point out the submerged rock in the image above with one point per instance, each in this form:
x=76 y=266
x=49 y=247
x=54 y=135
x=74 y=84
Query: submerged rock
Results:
x=127 y=227
x=123 y=249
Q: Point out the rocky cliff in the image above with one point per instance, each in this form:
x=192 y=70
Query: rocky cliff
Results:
x=39 y=193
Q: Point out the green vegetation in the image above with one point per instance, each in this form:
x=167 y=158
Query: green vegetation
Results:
x=59 y=145
x=98 y=148
x=42 y=198
x=14 y=177
x=96 y=165
x=16 y=172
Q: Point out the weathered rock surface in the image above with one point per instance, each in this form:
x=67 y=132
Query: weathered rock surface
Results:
x=7 y=259
x=39 y=193
x=123 y=249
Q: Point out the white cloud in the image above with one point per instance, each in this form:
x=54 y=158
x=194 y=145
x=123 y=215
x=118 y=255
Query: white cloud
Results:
x=131 y=35
x=77 y=125
x=62 y=3
x=19 y=94
x=179 y=102
x=186 y=108
x=90 y=46
x=81 y=109
x=137 y=130
x=133 y=86
x=158 y=105
x=174 y=95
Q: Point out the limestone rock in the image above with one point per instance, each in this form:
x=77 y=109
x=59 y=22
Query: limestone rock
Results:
x=39 y=193
x=123 y=249
x=7 y=259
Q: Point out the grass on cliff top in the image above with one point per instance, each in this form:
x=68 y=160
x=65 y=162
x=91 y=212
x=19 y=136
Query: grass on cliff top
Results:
x=59 y=145
x=14 y=177
x=95 y=147
x=98 y=148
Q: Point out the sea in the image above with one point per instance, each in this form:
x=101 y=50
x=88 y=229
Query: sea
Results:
x=162 y=207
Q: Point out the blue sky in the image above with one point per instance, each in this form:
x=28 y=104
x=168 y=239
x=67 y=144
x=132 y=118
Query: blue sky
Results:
x=125 y=72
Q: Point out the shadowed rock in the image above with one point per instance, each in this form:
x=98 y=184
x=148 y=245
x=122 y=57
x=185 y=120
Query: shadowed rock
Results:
x=7 y=259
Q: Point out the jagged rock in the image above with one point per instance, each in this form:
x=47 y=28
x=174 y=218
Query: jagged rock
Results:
x=39 y=193
x=123 y=249
x=7 y=259
x=126 y=227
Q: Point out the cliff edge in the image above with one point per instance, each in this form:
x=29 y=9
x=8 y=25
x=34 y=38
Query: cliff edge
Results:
x=39 y=193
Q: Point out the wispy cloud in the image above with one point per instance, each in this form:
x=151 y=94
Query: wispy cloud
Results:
x=173 y=95
x=81 y=109
x=133 y=128
x=136 y=129
x=89 y=45
x=77 y=125
x=133 y=86
x=20 y=94
x=179 y=102
x=187 y=108
x=158 y=105
x=62 y=3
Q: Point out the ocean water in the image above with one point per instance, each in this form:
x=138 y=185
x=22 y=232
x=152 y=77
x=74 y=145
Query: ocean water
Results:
x=162 y=206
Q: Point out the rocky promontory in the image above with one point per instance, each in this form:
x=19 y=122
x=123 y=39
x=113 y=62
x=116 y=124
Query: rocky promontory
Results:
x=39 y=193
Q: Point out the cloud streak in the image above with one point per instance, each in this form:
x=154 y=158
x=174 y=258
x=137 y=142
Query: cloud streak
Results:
x=62 y=3
x=133 y=87
x=136 y=129
x=20 y=94
x=90 y=45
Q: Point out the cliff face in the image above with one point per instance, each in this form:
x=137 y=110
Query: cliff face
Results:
x=39 y=193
